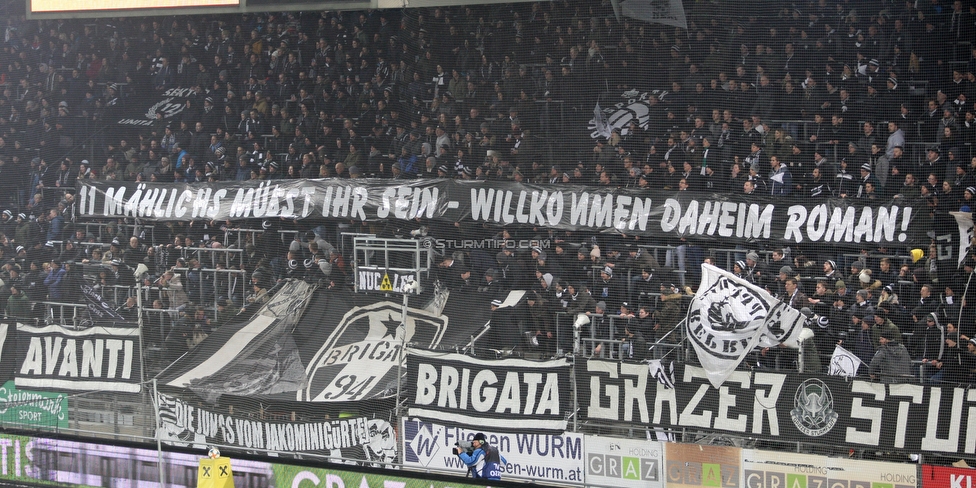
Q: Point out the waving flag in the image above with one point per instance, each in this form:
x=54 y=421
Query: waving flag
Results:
x=844 y=363
x=729 y=317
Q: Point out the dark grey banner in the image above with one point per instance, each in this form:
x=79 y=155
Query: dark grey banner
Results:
x=98 y=358
x=504 y=393
x=700 y=216
x=780 y=406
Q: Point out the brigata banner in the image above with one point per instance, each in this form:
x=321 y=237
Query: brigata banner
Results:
x=628 y=463
x=543 y=458
x=39 y=409
x=781 y=406
x=357 y=438
x=700 y=216
x=503 y=393
x=761 y=469
x=97 y=358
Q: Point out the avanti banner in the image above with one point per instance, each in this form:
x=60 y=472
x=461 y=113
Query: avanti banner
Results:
x=694 y=215
x=97 y=358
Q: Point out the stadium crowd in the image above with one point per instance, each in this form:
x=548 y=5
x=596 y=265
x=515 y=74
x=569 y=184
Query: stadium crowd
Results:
x=866 y=100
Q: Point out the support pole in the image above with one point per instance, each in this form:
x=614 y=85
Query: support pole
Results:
x=159 y=440
x=402 y=328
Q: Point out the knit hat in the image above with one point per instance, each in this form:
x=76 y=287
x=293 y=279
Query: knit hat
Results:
x=916 y=254
x=595 y=252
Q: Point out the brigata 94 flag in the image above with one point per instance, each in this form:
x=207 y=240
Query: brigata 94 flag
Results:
x=729 y=317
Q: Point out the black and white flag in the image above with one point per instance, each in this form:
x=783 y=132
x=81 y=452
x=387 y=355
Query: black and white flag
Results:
x=360 y=439
x=667 y=12
x=97 y=358
x=844 y=363
x=253 y=356
x=600 y=120
x=101 y=311
x=504 y=393
x=729 y=317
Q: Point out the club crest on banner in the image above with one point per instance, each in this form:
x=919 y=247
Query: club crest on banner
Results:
x=169 y=104
x=634 y=107
x=725 y=307
x=359 y=360
x=813 y=408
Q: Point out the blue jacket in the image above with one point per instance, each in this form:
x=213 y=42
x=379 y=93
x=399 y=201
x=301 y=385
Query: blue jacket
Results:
x=781 y=182
x=54 y=281
x=486 y=462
